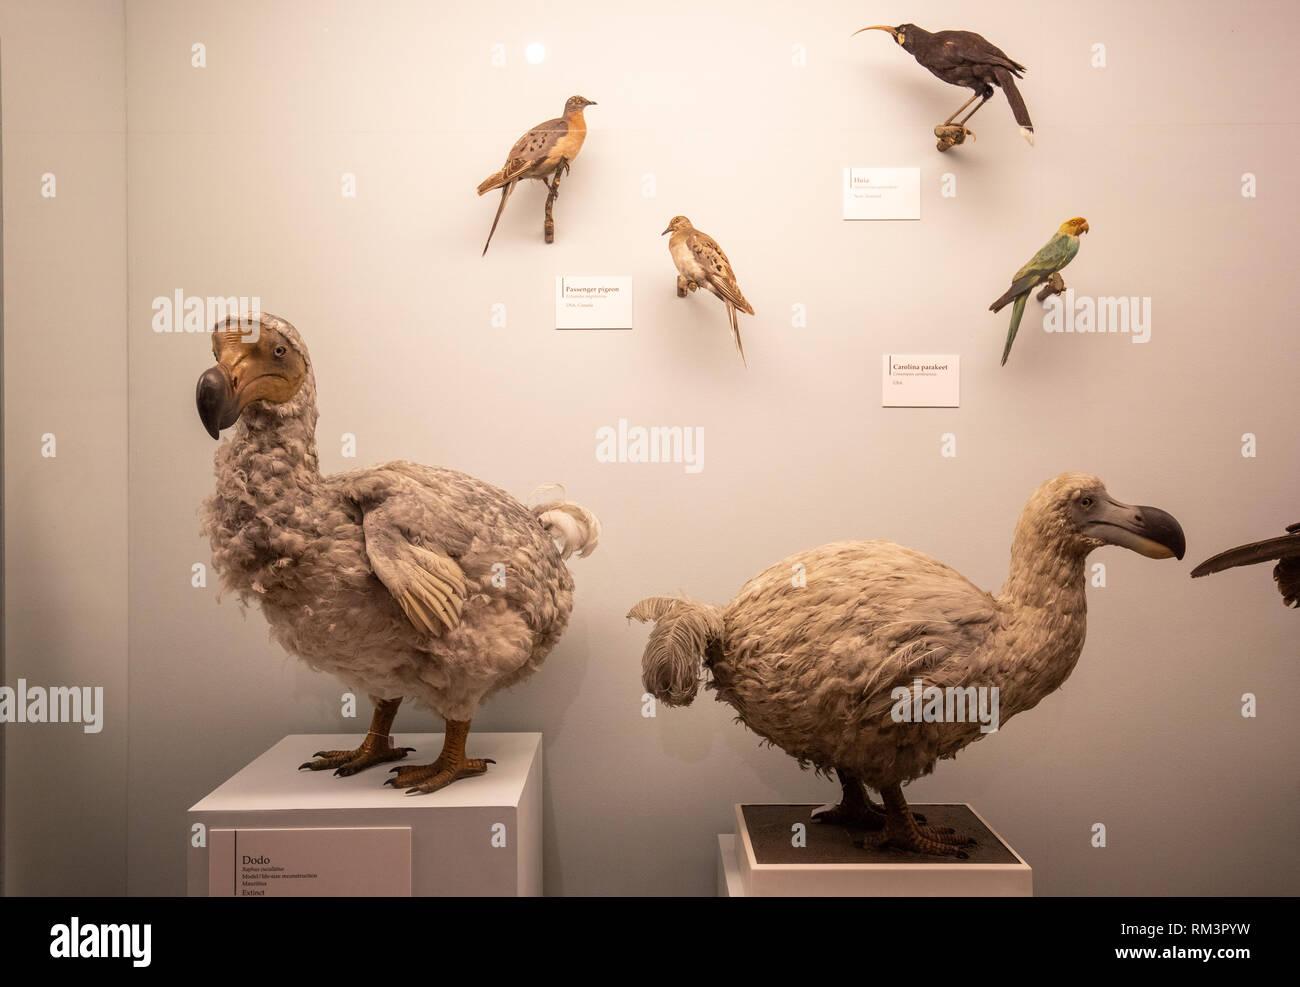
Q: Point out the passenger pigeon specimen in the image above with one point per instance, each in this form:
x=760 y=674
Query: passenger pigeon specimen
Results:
x=701 y=263
x=963 y=58
x=1284 y=548
x=814 y=652
x=400 y=580
x=544 y=153
x=1043 y=268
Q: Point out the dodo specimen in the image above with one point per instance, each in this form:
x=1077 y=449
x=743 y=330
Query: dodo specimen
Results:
x=384 y=576
x=816 y=664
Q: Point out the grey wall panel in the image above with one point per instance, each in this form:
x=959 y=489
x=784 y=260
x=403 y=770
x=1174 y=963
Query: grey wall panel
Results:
x=65 y=374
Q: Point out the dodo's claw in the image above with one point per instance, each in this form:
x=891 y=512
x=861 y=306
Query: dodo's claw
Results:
x=422 y=779
x=347 y=763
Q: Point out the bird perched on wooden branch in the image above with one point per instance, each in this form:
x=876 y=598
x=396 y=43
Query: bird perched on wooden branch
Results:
x=1043 y=268
x=701 y=263
x=1284 y=548
x=401 y=580
x=963 y=58
x=817 y=652
x=544 y=153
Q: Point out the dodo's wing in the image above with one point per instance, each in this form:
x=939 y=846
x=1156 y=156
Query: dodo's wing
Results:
x=939 y=620
x=423 y=578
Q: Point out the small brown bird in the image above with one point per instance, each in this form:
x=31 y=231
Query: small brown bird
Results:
x=701 y=263
x=1285 y=549
x=544 y=153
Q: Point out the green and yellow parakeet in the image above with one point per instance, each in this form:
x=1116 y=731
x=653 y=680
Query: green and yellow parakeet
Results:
x=1043 y=268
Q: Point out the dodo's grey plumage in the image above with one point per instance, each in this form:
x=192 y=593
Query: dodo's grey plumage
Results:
x=814 y=664
x=383 y=577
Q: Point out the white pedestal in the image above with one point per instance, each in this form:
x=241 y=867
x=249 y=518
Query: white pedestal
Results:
x=273 y=830
x=762 y=860
x=730 y=881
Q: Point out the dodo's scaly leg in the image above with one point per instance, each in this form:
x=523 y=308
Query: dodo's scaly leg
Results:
x=549 y=226
x=1055 y=285
x=377 y=748
x=904 y=833
x=452 y=764
x=855 y=808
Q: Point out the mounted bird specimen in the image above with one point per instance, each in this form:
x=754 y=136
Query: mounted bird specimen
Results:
x=1043 y=268
x=1285 y=548
x=400 y=580
x=963 y=58
x=702 y=264
x=814 y=652
x=544 y=153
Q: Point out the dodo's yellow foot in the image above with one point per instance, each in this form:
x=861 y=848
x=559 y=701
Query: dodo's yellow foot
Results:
x=421 y=779
x=350 y=762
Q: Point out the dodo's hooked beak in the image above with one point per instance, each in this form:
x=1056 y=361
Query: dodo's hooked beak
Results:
x=876 y=27
x=1148 y=531
x=215 y=397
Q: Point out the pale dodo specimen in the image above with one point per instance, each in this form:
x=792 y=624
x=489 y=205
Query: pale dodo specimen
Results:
x=401 y=580
x=814 y=652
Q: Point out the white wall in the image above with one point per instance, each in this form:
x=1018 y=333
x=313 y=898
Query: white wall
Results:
x=234 y=178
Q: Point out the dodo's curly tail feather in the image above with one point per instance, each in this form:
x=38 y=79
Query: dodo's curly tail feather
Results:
x=574 y=528
x=674 y=654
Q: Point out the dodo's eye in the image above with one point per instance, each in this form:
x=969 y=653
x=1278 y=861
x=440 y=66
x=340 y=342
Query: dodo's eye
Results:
x=1086 y=502
x=279 y=351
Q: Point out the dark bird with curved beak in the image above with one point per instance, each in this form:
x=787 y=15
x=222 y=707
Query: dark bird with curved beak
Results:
x=1284 y=548
x=963 y=58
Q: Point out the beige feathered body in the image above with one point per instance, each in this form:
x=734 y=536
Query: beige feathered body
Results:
x=811 y=649
x=401 y=580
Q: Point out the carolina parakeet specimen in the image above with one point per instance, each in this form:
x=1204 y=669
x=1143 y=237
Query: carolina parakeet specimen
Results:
x=1043 y=268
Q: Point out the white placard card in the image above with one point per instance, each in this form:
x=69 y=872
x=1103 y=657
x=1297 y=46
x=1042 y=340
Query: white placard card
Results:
x=305 y=863
x=593 y=302
x=921 y=380
x=882 y=193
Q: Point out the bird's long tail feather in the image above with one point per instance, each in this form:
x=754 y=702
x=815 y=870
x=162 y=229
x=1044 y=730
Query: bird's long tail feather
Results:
x=494 y=180
x=735 y=333
x=1017 y=311
x=1021 y=112
x=574 y=528
x=674 y=654
x=505 y=194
